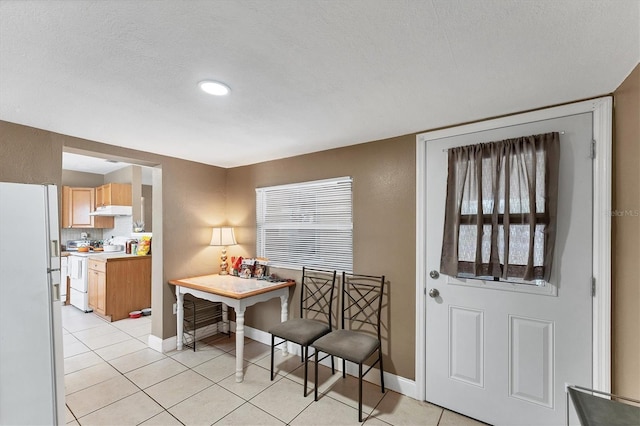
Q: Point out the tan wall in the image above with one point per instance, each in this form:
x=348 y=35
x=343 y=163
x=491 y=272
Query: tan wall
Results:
x=626 y=238
x=192 y=196
x=384 y=227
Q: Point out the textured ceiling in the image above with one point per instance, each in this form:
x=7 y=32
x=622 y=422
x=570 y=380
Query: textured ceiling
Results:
x=305 y=75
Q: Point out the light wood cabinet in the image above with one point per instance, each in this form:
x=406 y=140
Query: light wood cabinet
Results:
x=77 y=203
x=119 y=285
x=97 y=283
x=113 y=194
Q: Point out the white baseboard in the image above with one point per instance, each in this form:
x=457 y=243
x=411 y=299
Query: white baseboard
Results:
x=395 y=383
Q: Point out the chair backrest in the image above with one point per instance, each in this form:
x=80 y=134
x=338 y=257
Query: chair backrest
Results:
x=362 y=302
x=316 y=294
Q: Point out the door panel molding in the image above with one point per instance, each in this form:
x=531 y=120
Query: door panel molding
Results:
x=531 y=373
x=601 y=108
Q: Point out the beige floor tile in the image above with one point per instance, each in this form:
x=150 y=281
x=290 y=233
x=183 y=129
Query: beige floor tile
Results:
x=74 y=349
x=155 y=372
x=218 y=368
x=80 y=361
x=374 y=421
x=346 y=391
x=207 y=406
x=248 y=414
x=162 y=419
x=282 y=365
x=325 y=380
x=69 y=417
x=398 y=409
x=81 y=379
x=83 y=322
x=327 y=411
x=119 y=349
x=191 y=359
x=130 y=323
x=101 y=330
x=283 y=400
x=256 y=379
x=178 y=388
x=224 y=342
x=69 y=338
x=100 y=341
x=135 y=360
x=139 y=331
x=449 y=418
x=131 y=410
x=253 y=351
x=95 y=397
x=73 y=423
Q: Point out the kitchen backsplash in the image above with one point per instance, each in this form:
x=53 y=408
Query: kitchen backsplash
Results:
x=67 y=234
x=122 y=226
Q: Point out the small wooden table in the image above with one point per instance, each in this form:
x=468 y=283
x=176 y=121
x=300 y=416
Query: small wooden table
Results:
x=239 y=293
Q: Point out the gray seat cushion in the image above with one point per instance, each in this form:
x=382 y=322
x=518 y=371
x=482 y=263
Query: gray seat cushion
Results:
x=350 y=345
x=300 y=330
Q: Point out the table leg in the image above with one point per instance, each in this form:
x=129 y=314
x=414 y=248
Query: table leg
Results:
x=239 y=344
x=284 y=315
x=225 y=319
x=180 y=317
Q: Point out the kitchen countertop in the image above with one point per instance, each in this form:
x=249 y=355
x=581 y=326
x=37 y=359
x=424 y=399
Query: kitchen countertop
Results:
x=105 y=255
x=118 y=255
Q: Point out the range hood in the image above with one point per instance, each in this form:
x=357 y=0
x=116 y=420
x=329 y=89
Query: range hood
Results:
x=113 y=211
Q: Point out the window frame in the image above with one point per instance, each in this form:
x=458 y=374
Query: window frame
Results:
x=320 y=257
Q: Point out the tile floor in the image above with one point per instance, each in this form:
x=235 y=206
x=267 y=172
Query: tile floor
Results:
x=113 y=378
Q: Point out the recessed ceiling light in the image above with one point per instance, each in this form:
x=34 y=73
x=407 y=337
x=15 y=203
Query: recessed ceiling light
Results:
x=214 y=87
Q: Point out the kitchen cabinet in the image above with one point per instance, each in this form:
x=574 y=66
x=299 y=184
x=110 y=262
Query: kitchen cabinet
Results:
x=119 y=284
x=77 y=203
x=113 y=194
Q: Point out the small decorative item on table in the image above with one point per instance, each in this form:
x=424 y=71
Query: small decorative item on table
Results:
x=246 y=268
x=260 y=269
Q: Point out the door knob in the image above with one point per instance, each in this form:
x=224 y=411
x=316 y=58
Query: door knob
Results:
x=434 y=293
x=434 y=274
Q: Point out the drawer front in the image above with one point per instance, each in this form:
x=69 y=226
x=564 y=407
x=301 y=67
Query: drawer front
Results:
x=97 y=265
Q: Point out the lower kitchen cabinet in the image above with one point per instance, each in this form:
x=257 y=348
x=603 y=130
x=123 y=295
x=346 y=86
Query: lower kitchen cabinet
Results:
x=119 y=285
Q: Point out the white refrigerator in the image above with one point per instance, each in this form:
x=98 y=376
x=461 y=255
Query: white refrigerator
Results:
x=31 y=358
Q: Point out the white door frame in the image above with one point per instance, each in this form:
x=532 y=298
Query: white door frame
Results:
x=602 y=128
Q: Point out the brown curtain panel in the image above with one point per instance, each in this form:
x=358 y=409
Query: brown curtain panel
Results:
x=500 y=219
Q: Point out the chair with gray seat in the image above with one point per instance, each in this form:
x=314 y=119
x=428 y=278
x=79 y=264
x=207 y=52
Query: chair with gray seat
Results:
x=360 y=338
x=316 y=309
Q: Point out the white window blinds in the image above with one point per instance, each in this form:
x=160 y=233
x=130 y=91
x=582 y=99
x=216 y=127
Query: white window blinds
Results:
x=306 y=224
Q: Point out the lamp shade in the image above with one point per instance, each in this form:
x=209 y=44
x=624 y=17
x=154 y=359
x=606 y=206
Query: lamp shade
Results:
x=223 y=236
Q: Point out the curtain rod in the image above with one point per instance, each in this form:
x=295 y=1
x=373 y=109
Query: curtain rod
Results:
x=447 y=149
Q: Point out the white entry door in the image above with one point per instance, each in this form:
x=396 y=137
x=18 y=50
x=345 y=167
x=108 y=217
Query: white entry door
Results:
x=502 y=352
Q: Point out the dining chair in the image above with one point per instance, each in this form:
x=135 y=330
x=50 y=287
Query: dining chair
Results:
x=316 y=310
x=359 y=338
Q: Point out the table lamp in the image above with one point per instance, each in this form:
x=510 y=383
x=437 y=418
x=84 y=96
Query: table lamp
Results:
x=223 y=237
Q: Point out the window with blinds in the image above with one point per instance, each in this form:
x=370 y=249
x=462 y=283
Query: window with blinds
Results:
x=306 y=224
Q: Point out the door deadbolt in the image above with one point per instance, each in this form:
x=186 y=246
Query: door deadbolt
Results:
x=434 y=274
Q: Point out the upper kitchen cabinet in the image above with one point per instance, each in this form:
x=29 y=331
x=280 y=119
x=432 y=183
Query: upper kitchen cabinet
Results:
x=113 y=194
x=77 y=203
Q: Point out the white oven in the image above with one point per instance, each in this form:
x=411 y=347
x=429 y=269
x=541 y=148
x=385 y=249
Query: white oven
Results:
x=78 y=274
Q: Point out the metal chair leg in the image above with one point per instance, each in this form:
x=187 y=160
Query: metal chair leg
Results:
x=381 y=369
x=273 y=340
x=305 y=352
x=360 y=392
x=315 y=379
